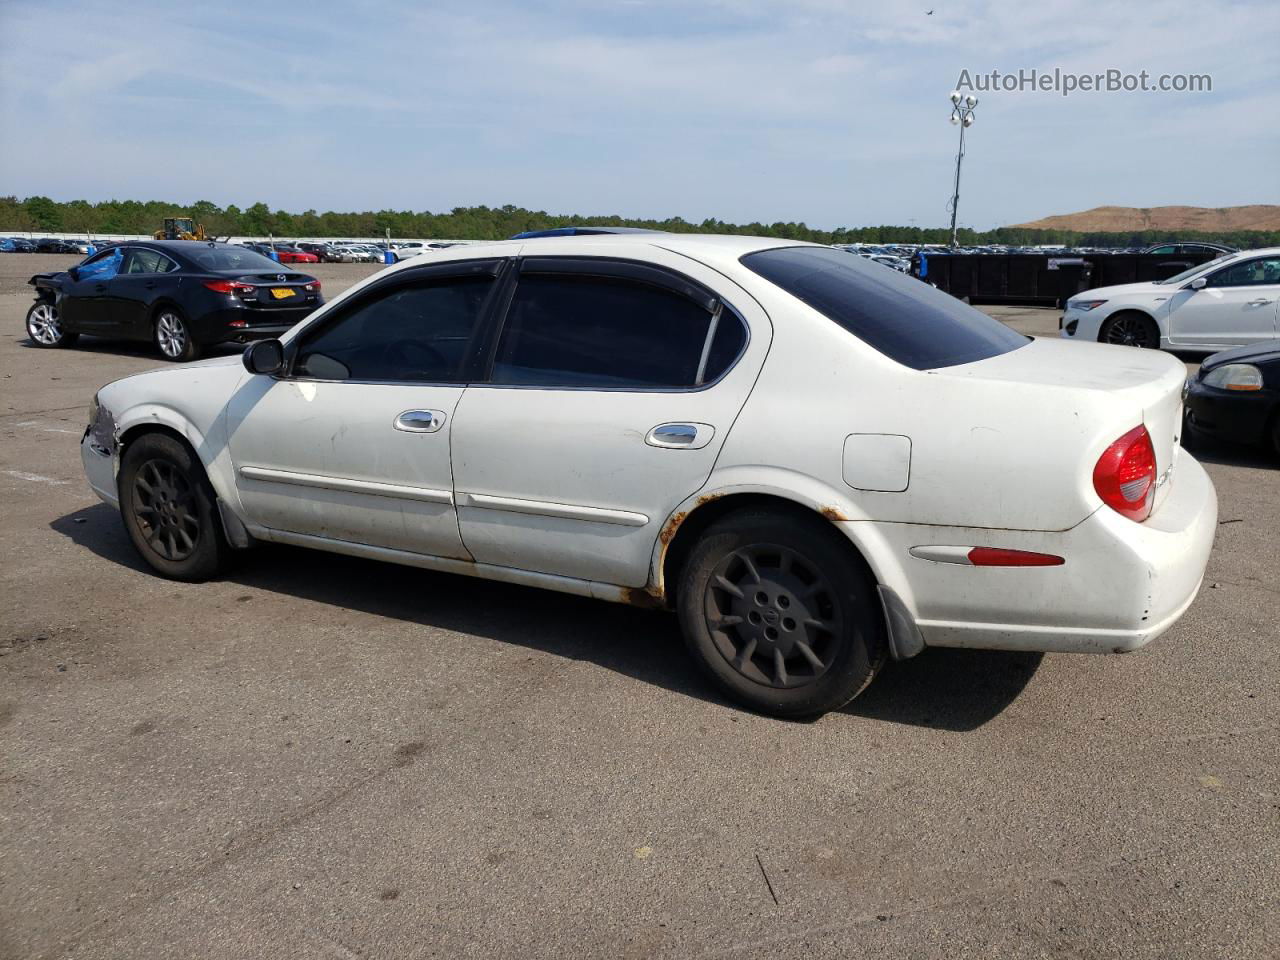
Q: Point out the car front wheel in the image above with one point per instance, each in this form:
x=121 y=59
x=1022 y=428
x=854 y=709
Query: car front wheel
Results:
x=170 y=510
x=173 y=336
x=779 y=615
x=1130 y=330
x=45 y=328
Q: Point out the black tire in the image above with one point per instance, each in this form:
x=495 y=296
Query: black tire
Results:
x=1274 y=433
x=170 y=509
x=45 y=329
x=1130 y=329
x=792 y=586
x=172 y=336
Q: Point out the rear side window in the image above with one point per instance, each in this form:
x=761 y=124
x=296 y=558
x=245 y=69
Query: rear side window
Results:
x=587 y=331
x=902 y=317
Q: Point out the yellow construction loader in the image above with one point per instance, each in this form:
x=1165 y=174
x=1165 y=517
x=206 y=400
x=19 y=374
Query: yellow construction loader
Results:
x=180 y=228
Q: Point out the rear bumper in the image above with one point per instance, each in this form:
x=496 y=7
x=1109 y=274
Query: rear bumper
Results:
x=1123 y=583
x=217 y=326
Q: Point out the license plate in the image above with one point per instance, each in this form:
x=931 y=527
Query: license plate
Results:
x=283 y=293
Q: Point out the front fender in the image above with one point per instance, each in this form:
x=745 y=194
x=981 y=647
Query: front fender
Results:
x=213 y=452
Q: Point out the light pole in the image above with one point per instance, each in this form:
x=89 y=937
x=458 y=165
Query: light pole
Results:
x=961 y=116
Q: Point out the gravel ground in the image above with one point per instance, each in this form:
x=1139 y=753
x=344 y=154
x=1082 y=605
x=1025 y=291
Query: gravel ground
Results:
x=325 y=757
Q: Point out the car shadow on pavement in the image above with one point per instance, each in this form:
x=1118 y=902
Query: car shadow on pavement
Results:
x=136 y=348
x=945 y=689
x=1210 y=450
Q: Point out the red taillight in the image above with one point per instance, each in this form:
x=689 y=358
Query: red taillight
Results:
x=1125 y=475
x=1000 y=557
x=313 y=285
x=229 y=286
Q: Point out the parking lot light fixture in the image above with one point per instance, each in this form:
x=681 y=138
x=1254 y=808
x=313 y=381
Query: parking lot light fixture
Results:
x=962 y=108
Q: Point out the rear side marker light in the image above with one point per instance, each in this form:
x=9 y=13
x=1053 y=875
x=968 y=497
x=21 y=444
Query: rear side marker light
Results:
x=987 y=556
x=1125 y=475
x=1000 y=557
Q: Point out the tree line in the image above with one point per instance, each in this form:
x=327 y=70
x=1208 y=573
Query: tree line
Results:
x=34 y=214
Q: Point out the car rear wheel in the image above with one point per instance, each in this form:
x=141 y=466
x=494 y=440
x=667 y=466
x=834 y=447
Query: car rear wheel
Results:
x=1130 y=329
x=170 y=510
x=173 y=336
x=780 y=615
x=45 y=328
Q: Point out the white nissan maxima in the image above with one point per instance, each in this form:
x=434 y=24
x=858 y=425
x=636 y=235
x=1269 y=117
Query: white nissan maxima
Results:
x=1229 y=302
x=816 y=462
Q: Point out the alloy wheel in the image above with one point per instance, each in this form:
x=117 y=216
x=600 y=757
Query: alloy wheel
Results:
x=773 y=616
x=43 y=324
x=1128 y=331
x=171 y=335
x=165 y=506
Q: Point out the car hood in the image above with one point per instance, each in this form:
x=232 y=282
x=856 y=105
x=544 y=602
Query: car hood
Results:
x=1254 y=353
x=1125 y=290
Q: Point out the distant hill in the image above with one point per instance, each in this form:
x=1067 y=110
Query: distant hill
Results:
x=1170 y=219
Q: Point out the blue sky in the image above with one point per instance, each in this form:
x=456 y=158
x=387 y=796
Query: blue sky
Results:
x=829 y=112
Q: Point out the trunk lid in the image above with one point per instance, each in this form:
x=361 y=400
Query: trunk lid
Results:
x=1115 y=388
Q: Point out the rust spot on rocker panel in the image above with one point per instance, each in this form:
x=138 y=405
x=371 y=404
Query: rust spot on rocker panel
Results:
x=641 y=597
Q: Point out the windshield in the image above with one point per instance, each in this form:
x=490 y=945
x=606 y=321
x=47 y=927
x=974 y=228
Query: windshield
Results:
x=904 y=318
x=222 y=258
x=1193 y=271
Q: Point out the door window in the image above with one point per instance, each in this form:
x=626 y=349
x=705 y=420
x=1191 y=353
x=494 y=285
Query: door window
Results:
x=419 y=332
x=587 y=331
x=1249 y=273
x=146 y=261
x=101 y=267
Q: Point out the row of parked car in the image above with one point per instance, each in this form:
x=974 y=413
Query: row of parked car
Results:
x=43 y=245
x=304 y=251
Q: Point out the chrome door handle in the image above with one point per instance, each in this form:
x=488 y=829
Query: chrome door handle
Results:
x=420 y=421
x=680 y=436
x=1260 y=302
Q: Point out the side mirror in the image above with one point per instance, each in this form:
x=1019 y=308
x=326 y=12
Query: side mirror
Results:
x=73 y=273
x=1198 y=283
x=264 y=356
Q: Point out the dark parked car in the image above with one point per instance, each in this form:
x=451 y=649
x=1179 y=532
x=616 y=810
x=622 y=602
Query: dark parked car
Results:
x=1195 y=247
x=54 y=245
x=179 y=294
x=1236 y=396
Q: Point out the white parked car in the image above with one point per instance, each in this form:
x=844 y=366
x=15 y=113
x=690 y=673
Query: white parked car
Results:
x=407 y=249
x=358 y=252
x=1228 y=302
x=817 y=462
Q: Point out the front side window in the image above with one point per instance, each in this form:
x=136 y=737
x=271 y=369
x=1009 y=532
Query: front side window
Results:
x=1248 y=273
x=590 y=331
x=103 y=266
x=417 y=332
x=1163 y=251
x=903 y=318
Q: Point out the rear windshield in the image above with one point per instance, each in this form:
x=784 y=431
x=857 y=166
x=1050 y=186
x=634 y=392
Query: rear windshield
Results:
x=231 y=258
x=904 y=318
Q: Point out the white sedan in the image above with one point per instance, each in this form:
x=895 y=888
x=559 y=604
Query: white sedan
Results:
x=1229 y=302
x=816 y=462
